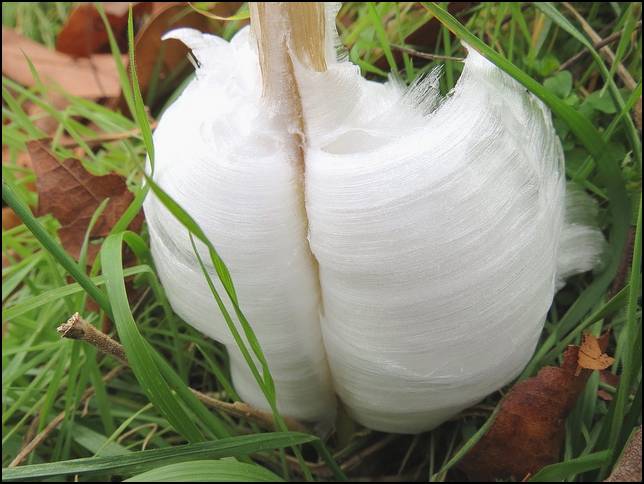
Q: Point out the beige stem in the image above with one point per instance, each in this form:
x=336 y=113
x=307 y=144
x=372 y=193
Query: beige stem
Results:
x=605 y=51
x=51 y=426
x=78 y=328
x=284 y=29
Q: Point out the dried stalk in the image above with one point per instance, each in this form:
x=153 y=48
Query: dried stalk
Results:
x=284 y=29
x=615 y=36
x=321 y=469
x=51 y=426
x=426 y=55
x=100 y=139
x=605 y=51
x=79 y=329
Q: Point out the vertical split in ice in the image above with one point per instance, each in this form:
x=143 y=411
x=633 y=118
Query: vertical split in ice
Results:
x=438 y=227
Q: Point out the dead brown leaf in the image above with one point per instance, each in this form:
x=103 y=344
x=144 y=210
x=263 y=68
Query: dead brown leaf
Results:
x=22 y=161
x=9 y=219
x=84 y=33
x=604 y=395
x=72 y=195
x=164 y=58
x=528 y=432
x=427 y=34
x=591 y=357
x=91 y=78
x=42 y=119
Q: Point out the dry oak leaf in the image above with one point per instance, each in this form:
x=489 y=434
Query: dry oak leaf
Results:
x=72 y=195
x=9 y=219
x=21 y=161
x=167 y=58
x=84 y=31
x=528 y=432
x=591 y=357
x=42 y=119
x=91 y=78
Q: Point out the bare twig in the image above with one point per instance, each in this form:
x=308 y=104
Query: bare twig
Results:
x=605 y=51
x=615 y=36
x=153 y=429
x=321 y=469
x=104 y=137
x=32 y=430
x=425 y=55
x=358 y=458
x=77 y=328
x=391 y=478
x=37 y=440
x=51 y=426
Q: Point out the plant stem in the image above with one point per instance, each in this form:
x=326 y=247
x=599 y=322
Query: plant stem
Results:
x=79 y=329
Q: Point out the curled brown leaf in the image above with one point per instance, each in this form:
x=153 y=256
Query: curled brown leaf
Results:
x=72 y=195
x=159 y=62
x=590 y=356
x=92 y=78
x=84 y=32
x=528 y=432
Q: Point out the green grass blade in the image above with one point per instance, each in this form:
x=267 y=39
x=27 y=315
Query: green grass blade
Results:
x=82 y=259
x=382 y=36
x=231 y=325
x=100 y=388
x=126 y=88
x=34 y=302
x=220 y=267
x=563 y=470
x=588 y=135
x=19 y=115
x=467 y=446
x=138 y=352
x=12 y=281
x=93 y=441
x=632 y=357
x=144 y=460
x=62 y=257
x=265 y=383
x=208 y=471
x=633 y=418
x=557 y=342
x=551 y=11
x=139 y=107
x=630 y=19
x=212 y=423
